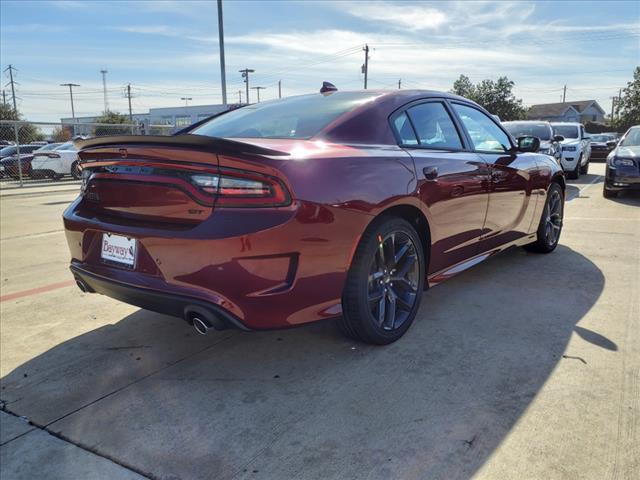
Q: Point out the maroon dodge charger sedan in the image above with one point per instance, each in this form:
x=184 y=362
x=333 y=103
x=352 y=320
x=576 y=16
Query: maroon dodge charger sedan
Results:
x=336 y=204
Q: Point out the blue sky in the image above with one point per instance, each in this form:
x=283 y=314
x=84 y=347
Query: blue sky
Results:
x=168 y=50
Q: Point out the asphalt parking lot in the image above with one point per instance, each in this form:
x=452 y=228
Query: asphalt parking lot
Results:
x=527 y=367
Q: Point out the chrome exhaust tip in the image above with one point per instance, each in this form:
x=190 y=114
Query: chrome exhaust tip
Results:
x=81 y=285
x=201 y=326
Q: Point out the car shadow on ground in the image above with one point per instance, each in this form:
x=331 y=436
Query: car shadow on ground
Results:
x=308 y=403
x=628 y=198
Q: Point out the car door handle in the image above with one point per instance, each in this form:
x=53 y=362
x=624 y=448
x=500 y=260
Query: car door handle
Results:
x=430 y=173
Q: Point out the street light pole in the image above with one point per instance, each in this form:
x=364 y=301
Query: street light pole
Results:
x=223 y=76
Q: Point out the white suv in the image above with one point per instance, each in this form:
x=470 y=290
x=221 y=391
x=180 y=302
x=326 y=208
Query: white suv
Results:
x=576 y=148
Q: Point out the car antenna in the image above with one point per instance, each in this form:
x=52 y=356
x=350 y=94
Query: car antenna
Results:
x=327 y=88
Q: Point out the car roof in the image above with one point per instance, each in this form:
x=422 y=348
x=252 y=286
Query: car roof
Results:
x=527 y=121
x=575 y=124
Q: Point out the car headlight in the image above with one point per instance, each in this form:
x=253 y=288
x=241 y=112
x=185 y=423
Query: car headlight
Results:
x=569 y=149
x=622 y=162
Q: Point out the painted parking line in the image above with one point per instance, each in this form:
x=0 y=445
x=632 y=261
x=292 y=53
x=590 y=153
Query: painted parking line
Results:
x=35 y=291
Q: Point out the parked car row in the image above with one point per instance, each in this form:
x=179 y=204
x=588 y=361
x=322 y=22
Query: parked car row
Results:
x=568 y=143
x=549 y=142
x=623 y=165
x=38 y=160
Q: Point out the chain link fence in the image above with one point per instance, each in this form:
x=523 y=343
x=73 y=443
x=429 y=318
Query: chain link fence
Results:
x=41 y=152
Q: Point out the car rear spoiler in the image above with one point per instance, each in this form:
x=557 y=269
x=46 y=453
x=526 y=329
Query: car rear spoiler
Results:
x=218 y=145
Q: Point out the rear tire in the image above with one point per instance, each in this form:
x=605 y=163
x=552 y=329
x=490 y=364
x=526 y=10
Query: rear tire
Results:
x=76 y=173
x=384 y=284
x=550 y=226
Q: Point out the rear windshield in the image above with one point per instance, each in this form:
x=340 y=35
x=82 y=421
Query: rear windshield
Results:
x=50 y=146
x=66 y=146
x=522 y=129
x=295 y=117
x=6 y=151
x=567 y=131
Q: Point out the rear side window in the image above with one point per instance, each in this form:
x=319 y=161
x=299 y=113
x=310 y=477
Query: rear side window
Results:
x=434 y=126
x=485 y=134
x=405 y=131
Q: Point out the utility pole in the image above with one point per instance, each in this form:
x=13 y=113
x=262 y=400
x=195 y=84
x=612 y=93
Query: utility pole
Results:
x=15 y=124
x=365 y=67
x=4 y=97
x=279 y=88
x=257 y=89
x=245 y=74
x=186 y=101
x=71 y=85
x=128 y=95
x=13 y=90
x=399 y=84
x=564 y=94
x=613 y=106
x=239 y=97
x=104 y=89
x=223 y=76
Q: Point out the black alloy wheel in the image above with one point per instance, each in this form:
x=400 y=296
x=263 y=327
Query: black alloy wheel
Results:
x=550 y=226
x=385 y=283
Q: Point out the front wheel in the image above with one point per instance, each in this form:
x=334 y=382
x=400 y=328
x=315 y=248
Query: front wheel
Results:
x=550 y=225
x=584 y=169
x=384 y=284
x=575 y=173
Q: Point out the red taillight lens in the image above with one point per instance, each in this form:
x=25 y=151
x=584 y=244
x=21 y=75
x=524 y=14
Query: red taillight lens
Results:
x=243 y=189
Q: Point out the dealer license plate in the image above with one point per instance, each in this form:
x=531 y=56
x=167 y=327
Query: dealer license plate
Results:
x=118 y=249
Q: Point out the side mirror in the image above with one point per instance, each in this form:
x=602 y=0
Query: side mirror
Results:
x=528 y=144
x=558 y=138
x=612 y=144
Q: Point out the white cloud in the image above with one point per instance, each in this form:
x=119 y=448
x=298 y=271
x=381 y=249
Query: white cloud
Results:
x=411 y=17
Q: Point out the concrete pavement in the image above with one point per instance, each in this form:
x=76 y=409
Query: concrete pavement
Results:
x=527 y=366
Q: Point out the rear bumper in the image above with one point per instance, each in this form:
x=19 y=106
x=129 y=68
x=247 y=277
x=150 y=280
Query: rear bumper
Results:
x=264 y=268
x=599 y=154
x=169 y=304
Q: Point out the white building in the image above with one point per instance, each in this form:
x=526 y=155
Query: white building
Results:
x=178 y=117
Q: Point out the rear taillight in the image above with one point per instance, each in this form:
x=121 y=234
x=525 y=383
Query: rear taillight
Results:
x=243 y=189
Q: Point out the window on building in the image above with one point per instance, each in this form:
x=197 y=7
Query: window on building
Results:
x=183 y=121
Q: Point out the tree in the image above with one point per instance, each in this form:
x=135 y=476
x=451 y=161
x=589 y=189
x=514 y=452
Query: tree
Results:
x=114 y=118
x=628 y=106
x=27 y=133
x=497 y=97
x=464 y=87
x=62 y=134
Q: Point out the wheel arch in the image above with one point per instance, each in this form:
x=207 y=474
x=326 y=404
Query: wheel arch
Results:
x=415 y=217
